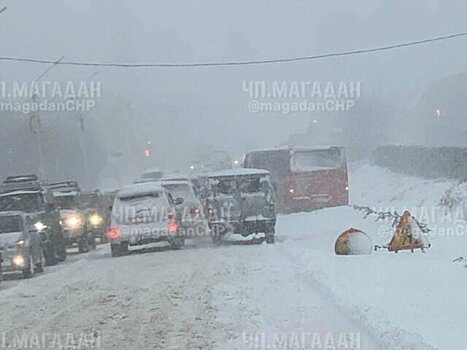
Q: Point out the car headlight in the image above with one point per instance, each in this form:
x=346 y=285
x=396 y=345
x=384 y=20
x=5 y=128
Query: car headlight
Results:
x=18 y=260
x=95 y=219
x=73 y=221
x=39 y=226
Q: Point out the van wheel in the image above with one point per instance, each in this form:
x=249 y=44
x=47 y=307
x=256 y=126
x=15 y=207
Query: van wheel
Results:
x=28 y=272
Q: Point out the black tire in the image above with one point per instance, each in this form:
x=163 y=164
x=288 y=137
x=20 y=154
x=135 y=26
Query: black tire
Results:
x=115 y=250
x=61 y=254
x=270 y=238
x=29 y=271
x=177 y=243
x=50 y=255
x=39 y=267
x=124 y=248
x=92 y=242
x=83 y=244
x=216 y=234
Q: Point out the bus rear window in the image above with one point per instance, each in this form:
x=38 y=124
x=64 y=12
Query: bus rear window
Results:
x=303 y=161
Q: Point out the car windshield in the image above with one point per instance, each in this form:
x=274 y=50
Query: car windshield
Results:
x=303 y=161
x=26 y=202
x=66 y=202
x=184 y=191
x=9 y=224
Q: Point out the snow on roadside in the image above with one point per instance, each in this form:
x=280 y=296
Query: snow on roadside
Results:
x=410 y=300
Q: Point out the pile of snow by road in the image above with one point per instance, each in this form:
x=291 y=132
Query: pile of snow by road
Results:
x=412 y=300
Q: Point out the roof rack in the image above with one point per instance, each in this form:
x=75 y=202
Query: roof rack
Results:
x=21 y=183
x=21 y=179
x=64 y=186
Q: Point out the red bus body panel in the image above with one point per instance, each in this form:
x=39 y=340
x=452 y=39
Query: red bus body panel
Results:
x=304 y=190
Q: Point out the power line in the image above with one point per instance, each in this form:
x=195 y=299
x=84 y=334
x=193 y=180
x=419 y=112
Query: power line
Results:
x=234 y=63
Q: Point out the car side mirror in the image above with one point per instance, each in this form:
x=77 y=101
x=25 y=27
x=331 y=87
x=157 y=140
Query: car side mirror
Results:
x=179 y=201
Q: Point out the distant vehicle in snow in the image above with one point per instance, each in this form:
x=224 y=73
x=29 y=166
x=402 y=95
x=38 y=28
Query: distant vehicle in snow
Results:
x=143 y=214
x=212 y=161
x=191 y=214
x=150 y=175
x=20 y=245
x=27 y=194
x=67 y=196
x=95 y=215
x=241 y=201
x=305 y=178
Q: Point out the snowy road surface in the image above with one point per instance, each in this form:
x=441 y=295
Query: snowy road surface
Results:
x=228 y=297
x=295 y=294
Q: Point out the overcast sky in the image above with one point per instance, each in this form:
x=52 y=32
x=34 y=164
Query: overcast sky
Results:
x=195 y=104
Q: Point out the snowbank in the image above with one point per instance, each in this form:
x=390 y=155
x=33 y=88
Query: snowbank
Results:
x=410 y=300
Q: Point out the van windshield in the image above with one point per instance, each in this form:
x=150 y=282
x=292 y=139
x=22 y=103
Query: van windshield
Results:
x=303 y=161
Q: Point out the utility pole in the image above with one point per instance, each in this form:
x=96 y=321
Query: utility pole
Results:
x=35 y=124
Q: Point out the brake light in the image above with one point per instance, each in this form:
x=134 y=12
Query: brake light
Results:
x=172 y=227
x=113 y=234
x=195 y=211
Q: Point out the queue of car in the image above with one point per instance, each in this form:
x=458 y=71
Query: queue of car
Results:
x=39 y=221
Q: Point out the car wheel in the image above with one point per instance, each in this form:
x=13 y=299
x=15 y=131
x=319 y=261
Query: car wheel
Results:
x=92 y=242
x=177 y=243
x=40 y=264
x=124 y=248
x=28 y=271
x=83 y=244
x=115 y=250
x=61 y=255
x=216 y=234
x=50 y=255
x=270 y=238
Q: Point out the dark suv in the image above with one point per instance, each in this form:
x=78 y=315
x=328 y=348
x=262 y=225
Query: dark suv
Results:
x=27 y=194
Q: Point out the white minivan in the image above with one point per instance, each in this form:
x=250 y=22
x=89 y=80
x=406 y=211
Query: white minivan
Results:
x=143 y=214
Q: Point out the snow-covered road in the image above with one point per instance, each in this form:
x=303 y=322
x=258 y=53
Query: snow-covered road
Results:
x=295 y=294
x=227 y=297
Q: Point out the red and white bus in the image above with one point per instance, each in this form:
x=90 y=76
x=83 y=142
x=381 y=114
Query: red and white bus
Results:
x=305 y=178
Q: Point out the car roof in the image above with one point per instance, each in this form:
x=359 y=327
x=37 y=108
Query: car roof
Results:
x=18 y=192
x=296 y=148
x=12 y=213
x=140 y=188
x=238 y=172
x=176 y=182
